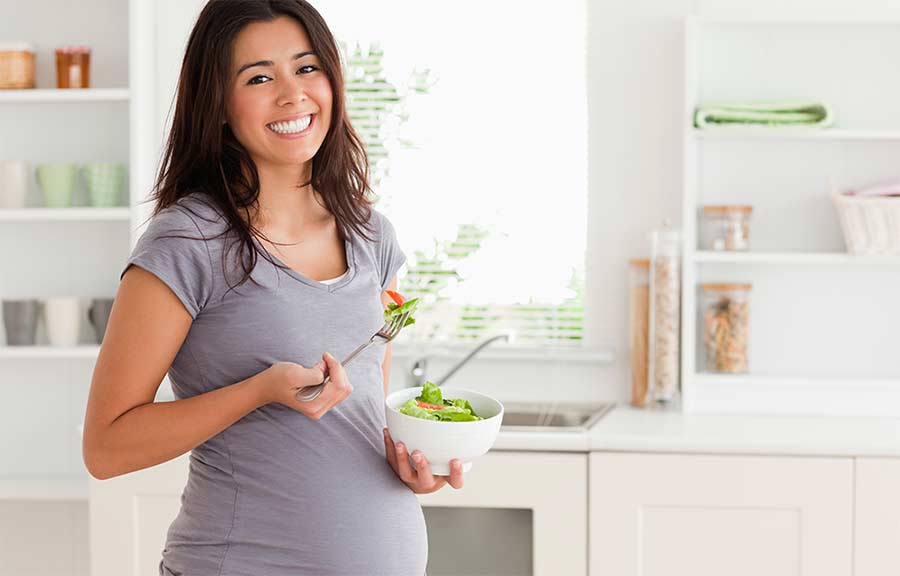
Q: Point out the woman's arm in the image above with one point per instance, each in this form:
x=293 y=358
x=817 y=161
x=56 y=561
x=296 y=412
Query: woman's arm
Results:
x=386 y=366
x=124 y=430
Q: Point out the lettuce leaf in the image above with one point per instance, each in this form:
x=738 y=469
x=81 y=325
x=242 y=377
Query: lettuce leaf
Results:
x=393 y=310
x=455 y=410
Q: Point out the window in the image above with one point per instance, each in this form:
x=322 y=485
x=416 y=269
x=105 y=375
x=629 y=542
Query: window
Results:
x=474 y=115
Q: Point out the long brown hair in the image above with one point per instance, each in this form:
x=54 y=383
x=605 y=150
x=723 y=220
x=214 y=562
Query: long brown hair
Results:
x=203 y=155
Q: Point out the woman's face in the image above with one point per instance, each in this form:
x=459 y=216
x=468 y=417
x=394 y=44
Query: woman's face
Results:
x=273 y=94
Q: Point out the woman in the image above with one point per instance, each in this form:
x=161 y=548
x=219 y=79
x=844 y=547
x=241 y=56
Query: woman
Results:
x=262 y=161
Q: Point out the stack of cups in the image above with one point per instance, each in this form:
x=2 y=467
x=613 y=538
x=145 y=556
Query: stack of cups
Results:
x=104 y=182
x=62 y=319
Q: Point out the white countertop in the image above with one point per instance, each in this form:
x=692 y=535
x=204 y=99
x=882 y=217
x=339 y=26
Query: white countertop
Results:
x=627 y=429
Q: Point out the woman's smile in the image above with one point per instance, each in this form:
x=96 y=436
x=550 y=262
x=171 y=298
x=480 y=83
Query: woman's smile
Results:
x=297 y=127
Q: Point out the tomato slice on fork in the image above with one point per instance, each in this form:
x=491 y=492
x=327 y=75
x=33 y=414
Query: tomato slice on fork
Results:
x=396 y=297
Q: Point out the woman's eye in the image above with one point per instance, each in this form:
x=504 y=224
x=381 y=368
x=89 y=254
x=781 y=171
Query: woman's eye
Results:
x=253 y=80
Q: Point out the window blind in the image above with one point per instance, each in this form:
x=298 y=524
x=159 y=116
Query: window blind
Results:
x=476 y=131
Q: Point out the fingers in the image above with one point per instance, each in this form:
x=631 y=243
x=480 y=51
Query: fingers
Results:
x=332 y=365
x=404 y=470
x=338 y=388
x=423 y=470
x=456 y=474
x=390 y=450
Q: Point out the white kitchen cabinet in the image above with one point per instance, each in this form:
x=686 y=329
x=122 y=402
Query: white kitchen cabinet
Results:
x=673 y=515
x=129 y=515
x=552 y=485
x=877 y=542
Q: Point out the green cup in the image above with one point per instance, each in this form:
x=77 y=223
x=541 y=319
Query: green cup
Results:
x=104 y=183
x=57 y=180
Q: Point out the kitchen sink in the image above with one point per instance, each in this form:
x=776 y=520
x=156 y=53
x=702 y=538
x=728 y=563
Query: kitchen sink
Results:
x=549 y=417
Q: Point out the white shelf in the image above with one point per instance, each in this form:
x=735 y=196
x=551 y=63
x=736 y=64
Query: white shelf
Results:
x=793 y=133
x=44 y=488
x=823 y=258
x=87 y=351
x=812 y=20
x=799 y=335
x=64 y=214
x=64 y=95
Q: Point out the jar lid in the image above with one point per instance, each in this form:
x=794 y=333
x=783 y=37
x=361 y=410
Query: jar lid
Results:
x=725 y=287
x=728 y=208
x=73 y=50
x=16 y=47
x=640 y=262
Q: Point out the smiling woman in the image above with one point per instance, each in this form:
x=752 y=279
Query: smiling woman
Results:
x=261 y=147
x=279 y=102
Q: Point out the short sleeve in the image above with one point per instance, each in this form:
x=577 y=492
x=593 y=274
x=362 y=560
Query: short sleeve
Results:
x=391 y=256
x=174 y=250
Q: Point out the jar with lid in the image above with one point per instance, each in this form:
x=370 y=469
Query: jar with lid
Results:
x=638 y=327
x=725 y=228
x=73 y=67
x=665 y=314
x=726 y=319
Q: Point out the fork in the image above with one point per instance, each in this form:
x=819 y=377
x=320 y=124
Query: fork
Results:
x=387 y=333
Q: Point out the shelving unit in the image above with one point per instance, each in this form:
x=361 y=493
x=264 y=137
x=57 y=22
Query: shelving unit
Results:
x=820 y=330
x=791 y=133
x=64 y=214
x=809 y=258
x=62 y=96
x=43 y=488
x=87 y=352
x=73 y=251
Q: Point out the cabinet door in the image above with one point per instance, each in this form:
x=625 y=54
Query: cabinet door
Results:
x=673 y=515
x=130 y=515
x=877 y=517
x=551 y=485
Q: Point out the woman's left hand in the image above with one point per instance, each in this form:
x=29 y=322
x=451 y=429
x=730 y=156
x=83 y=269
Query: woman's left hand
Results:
x=419 y=479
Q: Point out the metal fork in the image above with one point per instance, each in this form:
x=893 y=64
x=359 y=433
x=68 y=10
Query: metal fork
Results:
x=387 y=333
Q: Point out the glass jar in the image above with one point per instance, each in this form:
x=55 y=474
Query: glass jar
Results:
x=638 y=327
x=665 y=314
x=725 y=228
x=726 y=318
x=73 y=67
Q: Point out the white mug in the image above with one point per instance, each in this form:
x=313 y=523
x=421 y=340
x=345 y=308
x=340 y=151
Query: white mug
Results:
x=13 y=183
x=62 y=317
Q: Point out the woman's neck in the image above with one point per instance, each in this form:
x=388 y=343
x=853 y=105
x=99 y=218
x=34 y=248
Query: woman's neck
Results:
x=285 y=208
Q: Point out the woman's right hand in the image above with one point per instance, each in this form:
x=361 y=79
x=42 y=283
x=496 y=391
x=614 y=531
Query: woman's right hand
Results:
x=283 y=380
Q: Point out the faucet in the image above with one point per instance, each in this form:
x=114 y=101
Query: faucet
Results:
x=417 y=373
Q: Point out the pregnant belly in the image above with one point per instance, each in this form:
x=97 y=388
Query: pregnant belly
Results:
x=347 y=514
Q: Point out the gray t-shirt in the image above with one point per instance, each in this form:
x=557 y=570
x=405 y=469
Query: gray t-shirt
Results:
x=277 y=493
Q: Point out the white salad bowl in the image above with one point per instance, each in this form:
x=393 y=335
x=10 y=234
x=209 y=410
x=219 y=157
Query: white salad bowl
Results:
x=439 y=441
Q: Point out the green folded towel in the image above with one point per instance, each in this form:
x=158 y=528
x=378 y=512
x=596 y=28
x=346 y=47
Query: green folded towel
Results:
x=786 y=113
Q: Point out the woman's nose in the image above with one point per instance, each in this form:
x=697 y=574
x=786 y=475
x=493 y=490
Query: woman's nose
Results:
x=291 y=92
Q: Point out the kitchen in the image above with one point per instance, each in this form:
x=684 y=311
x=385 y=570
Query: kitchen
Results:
x=794 y=455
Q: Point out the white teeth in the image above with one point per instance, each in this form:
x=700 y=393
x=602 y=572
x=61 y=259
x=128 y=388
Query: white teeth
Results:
x=291 y=127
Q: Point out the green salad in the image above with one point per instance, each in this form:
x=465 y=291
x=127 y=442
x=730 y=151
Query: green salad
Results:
x=400 y=306
x=431 y=405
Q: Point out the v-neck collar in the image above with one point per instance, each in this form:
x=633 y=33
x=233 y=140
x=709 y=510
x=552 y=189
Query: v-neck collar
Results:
x=349 y=274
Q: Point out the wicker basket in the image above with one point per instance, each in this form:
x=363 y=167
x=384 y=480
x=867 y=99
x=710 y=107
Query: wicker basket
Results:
x=16 y=66
x=871 y=225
